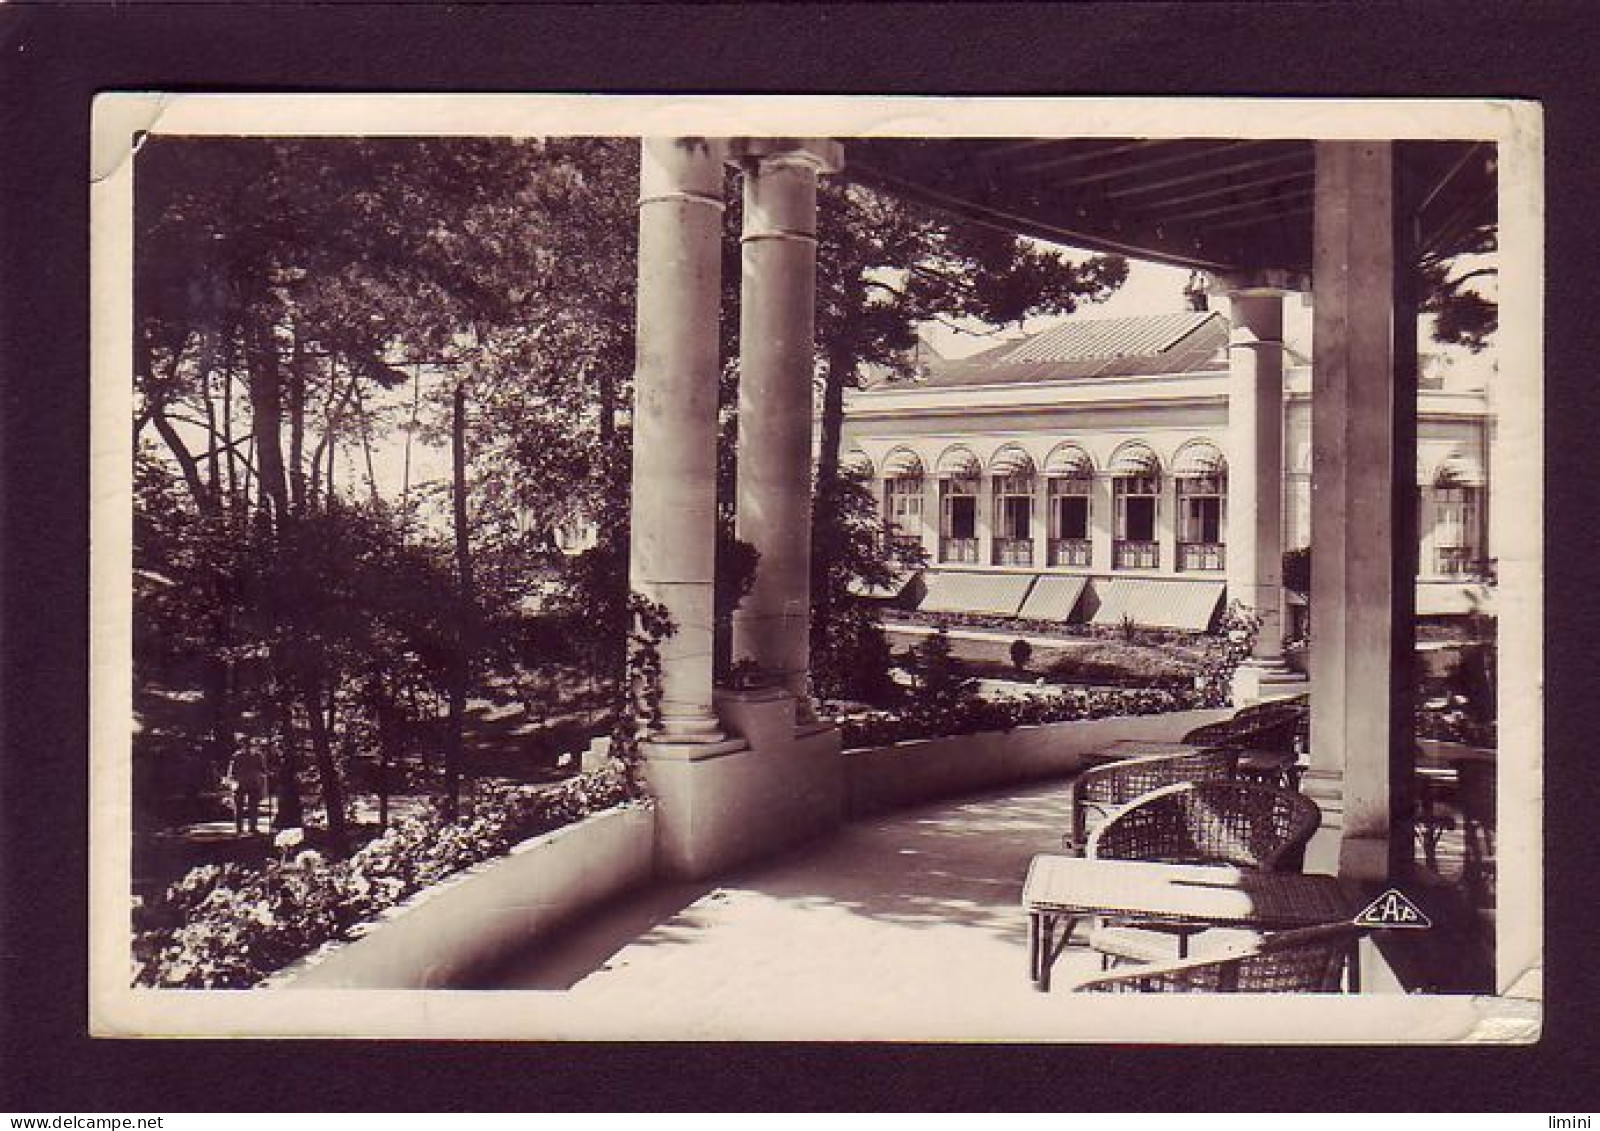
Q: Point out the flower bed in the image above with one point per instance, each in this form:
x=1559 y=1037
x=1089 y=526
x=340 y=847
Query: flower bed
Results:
x=228 y=926
x=882 y=728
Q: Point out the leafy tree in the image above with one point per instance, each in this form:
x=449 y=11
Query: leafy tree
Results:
x=309 y=273
x=1451 y=279
x=885 y=268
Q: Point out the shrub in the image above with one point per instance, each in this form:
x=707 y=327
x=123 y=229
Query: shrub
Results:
x=851 y=658
x=1239 y=626
x=882 y=728
x=1021 y=653
x=227 y=927
x=941 y=692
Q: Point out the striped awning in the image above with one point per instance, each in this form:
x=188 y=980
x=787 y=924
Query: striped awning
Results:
x=1010 y=460
x=1453 y=598
x=856 y=462
x=1134 y=460
x=1053 y=598
x=1070 y=462
x=969 y=591
x=902 y=463
x=1200 y=461
x=1458 y=469
x=1154 y=603
x=959 y=463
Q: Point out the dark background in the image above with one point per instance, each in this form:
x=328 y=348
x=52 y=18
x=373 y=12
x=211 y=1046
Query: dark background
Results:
x=55 y=57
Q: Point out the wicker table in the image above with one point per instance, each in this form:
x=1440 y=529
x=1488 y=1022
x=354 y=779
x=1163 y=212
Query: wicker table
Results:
x=1265 y=766
x=1070 y=888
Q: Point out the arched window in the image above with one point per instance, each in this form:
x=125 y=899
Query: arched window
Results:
x=1135 y=500
x=1069 y=476
x=902 y=496
x=1011 y=474
x=1201 y=475
x=958 y=470
x=1456 y=503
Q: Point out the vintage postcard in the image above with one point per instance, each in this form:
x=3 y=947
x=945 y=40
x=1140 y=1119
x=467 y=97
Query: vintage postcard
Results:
x=817 y=568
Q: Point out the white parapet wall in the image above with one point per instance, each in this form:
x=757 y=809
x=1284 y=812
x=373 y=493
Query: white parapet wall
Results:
x=779 y=785
x=882 y=778
x=449 y=932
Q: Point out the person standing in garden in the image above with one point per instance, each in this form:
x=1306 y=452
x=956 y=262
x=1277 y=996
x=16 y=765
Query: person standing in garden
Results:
x=249 y=782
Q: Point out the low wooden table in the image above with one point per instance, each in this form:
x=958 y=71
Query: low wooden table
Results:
x=1265 y=766
x=1070 y=888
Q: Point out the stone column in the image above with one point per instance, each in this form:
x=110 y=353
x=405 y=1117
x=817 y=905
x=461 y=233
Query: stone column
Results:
x=673 y=553
x=1102 y=524
x=1040 y=523
x=1363 y=466
x=1255 y=475
x=1167 y=522
x=772 y=625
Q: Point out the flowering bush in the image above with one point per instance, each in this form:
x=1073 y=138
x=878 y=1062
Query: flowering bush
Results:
x=227 y=926
x=1239 y=626
x=881 y=728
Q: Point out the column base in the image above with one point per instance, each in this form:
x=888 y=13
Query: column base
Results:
x=667 y=748
x=767 y=794
x=1261 y=678
x=1326 y=788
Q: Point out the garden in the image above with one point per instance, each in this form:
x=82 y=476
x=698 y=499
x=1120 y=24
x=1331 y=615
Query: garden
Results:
x=381 y=419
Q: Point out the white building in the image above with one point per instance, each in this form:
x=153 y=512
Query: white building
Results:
x=1082 y=473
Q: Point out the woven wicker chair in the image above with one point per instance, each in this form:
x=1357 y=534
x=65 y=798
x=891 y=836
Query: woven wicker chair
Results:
x=1211 y=822
x=1097 y=792
x=1309 y=960
x=1220 y=822
x=1279 y=726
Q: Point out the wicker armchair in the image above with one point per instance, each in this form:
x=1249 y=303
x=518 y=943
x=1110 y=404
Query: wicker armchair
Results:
x=1097 y=792
x=1310 y=960
x=1279 y=726
x=1211 y=822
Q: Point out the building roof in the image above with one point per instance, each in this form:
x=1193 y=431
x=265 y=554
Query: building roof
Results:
x=1151 y=345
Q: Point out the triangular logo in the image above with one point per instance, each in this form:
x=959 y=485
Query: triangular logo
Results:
x=1393 y=909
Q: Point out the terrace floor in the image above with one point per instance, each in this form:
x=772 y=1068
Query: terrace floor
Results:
x=907 y=926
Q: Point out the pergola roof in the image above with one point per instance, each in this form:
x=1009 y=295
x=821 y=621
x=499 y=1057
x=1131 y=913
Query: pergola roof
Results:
x=1216 y=204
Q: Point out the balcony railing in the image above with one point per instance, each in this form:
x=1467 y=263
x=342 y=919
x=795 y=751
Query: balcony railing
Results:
x=1135 y=555
x=958 y=550
x=1199 y=556
x=1455 y=561
x=1069 y=551
x=1013 y=551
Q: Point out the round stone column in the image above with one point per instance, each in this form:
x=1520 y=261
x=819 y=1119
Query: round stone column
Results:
x=772 y=625
x=1255 y=473
x=673 y=548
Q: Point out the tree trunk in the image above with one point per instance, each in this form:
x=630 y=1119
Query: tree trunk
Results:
x=840 y=372
x=366 y=448
x=266 y=424
x=297 y=427
x=466 y=626
x=290 y=812
x=327 y=768
x=227 y=429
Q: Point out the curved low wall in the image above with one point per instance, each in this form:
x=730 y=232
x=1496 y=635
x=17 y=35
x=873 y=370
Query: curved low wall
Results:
x=908 y=773
x=450 y=931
